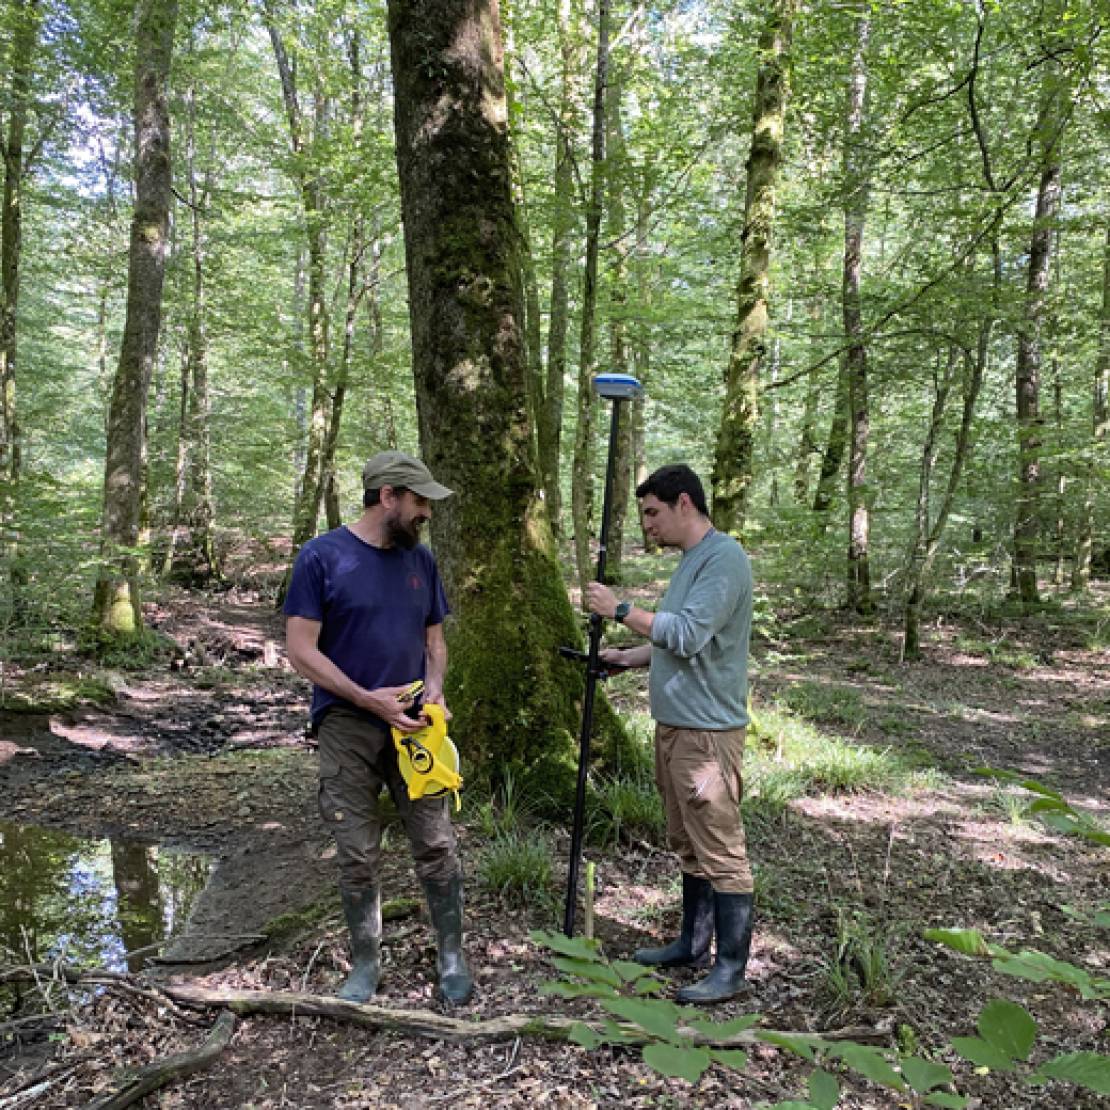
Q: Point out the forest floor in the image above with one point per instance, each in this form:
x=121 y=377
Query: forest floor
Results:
x=207 y=748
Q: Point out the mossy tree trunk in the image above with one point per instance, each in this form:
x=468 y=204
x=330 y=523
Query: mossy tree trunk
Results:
x=514 y=699
x=734 y=458
x=116 y=603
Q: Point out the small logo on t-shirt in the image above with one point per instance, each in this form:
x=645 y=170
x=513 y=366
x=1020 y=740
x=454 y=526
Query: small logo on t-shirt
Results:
x=415 y=582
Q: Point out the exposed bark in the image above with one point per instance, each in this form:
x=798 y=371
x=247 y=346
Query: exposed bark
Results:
x=582 y=469
x=514 y=700
x=734 y=457
x=116 y=601
x=856 y=198
x=835 y=444
x=1100 y=434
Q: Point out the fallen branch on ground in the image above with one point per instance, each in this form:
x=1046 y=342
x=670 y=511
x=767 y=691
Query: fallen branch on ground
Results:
x=161 y=1072
x=426 y=1023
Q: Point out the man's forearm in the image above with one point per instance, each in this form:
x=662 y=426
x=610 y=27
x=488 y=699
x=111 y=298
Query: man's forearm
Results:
x=313 y=664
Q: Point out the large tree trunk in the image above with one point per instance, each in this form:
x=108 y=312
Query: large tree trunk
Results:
x=582 y=468
x=116 y=602
x=1028 y=366
x=733 y=463
x=1100 y=421
x=514 y=699
x=855 y=216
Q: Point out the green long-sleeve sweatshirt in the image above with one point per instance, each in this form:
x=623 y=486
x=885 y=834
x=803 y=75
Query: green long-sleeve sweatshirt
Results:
x=700 y=635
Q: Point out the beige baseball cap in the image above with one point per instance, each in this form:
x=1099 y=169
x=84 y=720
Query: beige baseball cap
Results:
x=395 y=468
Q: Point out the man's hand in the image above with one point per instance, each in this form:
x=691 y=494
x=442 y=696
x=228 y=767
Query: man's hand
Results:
x=391 y=703
x=436 y=696
x=601 y=600
x=626 y=658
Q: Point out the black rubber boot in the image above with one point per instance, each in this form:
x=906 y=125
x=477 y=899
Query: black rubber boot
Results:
x=363 y=909
x=733 y=915
x=691 y=949
x=445 y=902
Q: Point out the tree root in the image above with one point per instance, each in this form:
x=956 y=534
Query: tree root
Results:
x=150 y=1078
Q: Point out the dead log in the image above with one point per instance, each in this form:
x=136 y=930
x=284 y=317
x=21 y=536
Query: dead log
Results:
x=427 y=1023
x=139 y=1084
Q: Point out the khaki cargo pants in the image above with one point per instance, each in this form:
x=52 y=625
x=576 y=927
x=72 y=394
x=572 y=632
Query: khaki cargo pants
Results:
x=698 y=774
x=357 y=758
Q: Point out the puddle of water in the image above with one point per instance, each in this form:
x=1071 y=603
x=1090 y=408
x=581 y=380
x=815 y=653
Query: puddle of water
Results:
x=92 y=902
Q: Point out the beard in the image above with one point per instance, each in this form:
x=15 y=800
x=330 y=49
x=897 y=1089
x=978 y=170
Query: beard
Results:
x=402 y=533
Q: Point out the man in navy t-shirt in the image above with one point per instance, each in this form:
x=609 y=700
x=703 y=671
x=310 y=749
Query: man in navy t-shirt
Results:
x=365 y=613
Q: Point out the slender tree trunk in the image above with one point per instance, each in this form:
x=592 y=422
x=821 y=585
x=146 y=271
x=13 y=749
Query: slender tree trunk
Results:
x=193 y=556
x=303 y=138
x=641 y=347
x=582 y=470
x=1100 y=421
x=549 y=425
x=835 y=444
x=1029 y=358
x=514 y=700
x=855 y=215
x=616 y=174
x=116 y=601
x=1060 y=536
x=733 y=462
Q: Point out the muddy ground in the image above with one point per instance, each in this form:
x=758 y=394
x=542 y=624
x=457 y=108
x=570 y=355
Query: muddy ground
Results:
x=206 y=747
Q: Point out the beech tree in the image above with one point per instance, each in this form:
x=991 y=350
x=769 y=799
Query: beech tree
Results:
x=513 y=697
x=116 y=600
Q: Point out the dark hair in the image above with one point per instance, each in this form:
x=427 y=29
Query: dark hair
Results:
x=668 y=483
x=372 y=497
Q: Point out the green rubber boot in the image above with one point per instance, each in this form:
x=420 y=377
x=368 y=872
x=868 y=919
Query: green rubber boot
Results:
x=691 y=949
x=445 y=903
x=733 y=915
x=363 y=910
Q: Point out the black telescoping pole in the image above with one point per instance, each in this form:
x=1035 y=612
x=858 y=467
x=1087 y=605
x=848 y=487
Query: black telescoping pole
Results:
x=618 y=387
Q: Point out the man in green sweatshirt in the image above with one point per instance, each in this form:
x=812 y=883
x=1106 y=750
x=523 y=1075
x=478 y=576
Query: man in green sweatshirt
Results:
x=698 y=654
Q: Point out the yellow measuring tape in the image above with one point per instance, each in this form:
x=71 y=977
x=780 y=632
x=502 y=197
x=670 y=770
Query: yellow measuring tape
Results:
x=428 y=759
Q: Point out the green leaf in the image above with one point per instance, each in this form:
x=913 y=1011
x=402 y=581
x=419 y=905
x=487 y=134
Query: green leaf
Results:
x=983 y=1054
x=730 y=1057
x=1008 y=1027
x=1102 y=919
x=869 y=1062
x=577 y=947
x=561 y=989
x=618 y=1034
x=943 y=1098
x=1035 y=787
x=586 y=969
x=1049 y=805
x=824 y=1091
x=1085 y=1069
x=799 y=1043
x=924 y=1075
x=648 y=985
x=968 y=941
x=630 y=971
x=1095 y=835
x=725 y=1029
x=654 y=1016
x=682 y=1063
x=585 y=1036
x=1038 y=967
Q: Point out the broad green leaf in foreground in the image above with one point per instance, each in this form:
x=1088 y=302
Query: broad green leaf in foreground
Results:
x=924 y=1075
x=658 y=1018
x=1085 y=1069
x=1008 y=1027
x=682 y=1063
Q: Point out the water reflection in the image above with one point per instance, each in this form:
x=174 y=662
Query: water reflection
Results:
x=92 y=902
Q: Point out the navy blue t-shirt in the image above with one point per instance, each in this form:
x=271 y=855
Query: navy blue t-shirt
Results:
x=374 y=605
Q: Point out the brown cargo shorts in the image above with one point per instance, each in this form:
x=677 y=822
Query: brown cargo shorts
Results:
x=698 y=774
x=357 y=758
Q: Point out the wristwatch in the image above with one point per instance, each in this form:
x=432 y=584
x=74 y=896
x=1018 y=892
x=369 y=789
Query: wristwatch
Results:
x=622 y=611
